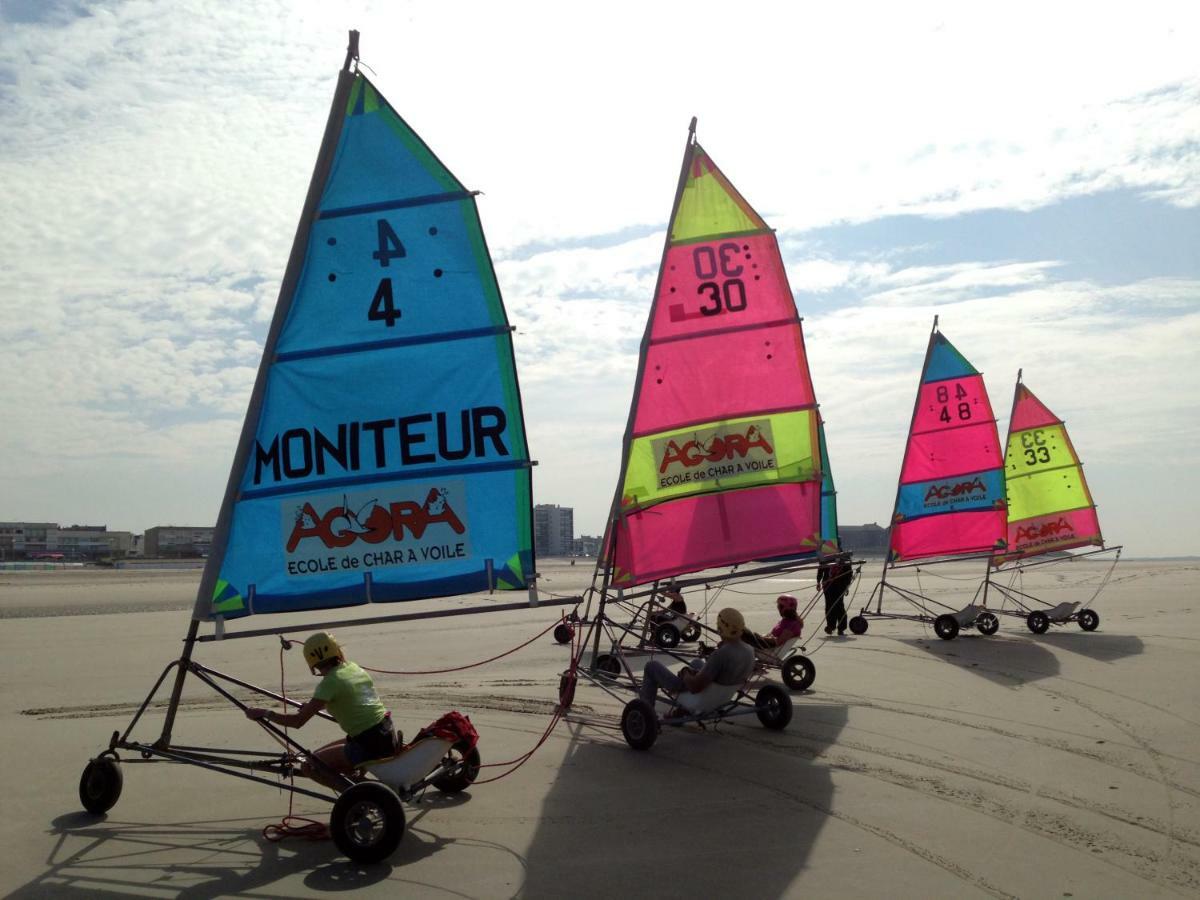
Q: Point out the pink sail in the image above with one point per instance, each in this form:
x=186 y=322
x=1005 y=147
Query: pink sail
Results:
x=721 y=460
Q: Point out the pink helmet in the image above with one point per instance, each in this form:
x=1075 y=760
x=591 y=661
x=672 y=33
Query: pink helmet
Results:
x=786 y=603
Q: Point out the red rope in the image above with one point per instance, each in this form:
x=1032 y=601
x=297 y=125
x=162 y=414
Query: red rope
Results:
x=311 y=829
x=552 y=626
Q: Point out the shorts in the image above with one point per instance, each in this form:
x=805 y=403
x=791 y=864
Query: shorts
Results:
x=377 y=742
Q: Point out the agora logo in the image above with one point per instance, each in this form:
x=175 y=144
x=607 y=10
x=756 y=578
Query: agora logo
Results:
x=1045 y=530
x=694 y=452
x=341 y=526
x=945 y=491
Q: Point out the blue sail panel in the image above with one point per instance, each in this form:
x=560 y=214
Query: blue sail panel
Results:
x=384 y=455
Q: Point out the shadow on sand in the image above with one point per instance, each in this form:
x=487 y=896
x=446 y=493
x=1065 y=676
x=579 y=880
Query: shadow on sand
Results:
x=1008 y=661
x=1101 y=647
x=99 y=856
x=621 y=822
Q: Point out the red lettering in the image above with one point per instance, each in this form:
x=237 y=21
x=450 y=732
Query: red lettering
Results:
x=340 y=527
x=720 y=448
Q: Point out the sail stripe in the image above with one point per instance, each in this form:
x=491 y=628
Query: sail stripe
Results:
x=367 y=346
x=394 y=204
x=794 y=320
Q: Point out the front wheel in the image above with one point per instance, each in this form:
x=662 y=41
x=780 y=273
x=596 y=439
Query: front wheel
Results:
x=988 y=623
x=608 y=665
x=858 y=625
x=691 y=633
x=639 y=725
x=774 y=707
x=1038 y=622
x=946 y=627
x=563 y=633
x=467 y=765
x=1088 y=619
x=666 y=636
x=100 y=786
x=799 y=672
x=367 y=822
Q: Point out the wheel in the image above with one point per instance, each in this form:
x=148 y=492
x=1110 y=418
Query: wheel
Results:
x=666 y=636
x=607 y=664
x=988 y=623
x=1038 y=622
x=462 y=777
x=946 y=627
x=691 y=633
x=799 y=672
x=566 y=690
x=639 y=725
x=100 y=785
x=858 y=625
x=1088 y=619
x=367 y=822
x=563 y=633
x=774 y=707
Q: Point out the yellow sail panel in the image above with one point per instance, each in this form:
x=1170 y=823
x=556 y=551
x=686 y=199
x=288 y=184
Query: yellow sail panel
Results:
x=724 y=455
x=710 y=205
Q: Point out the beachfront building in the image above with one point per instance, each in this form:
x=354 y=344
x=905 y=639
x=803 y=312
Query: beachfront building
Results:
x=864 y=540
x=177 y=541
x=553 y=529
x=586 y=545
x=50 y=541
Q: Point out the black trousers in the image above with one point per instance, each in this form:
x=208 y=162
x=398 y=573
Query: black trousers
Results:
x=835 y=609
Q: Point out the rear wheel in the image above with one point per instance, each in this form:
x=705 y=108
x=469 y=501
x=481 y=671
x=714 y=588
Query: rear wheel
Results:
x=566 y=689
x=639 y=725
x=988 y=623
x=946 y=627
x=799 y=672
x=1038 y=622
x=563 y=633
x=691 y=633
x=367 y=822
x=858 y=625
x=666 y=636
x=100 y=786
x=774 y=707
x=1088 y=619
x=467 y=764
x=607 y=664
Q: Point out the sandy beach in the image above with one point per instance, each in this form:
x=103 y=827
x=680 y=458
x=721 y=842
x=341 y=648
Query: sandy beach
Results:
x=1065 y=765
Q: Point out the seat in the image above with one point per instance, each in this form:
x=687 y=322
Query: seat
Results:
x=1062 y=612
x=778 y=654
x=712 y=697
x=411 y=764
x=967 y=615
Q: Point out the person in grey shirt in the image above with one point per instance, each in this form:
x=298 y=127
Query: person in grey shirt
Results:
x=730 y=663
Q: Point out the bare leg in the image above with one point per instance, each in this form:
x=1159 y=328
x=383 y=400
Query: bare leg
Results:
x=333 y=756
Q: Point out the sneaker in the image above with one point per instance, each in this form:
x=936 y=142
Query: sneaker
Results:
x=829 y=629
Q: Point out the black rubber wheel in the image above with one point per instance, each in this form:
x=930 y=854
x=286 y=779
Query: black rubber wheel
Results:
x=774 y=707
x=367 y=822
x=607 y=664
x=566 y=690
x=100 y=785
x=563 y=633
x=464 y=776
x=1088 y=619
x=988 y=623
x=1038 y=622
x=858 y=625
x=946 y=627
x=639 y=725
x=666 y=636
x=691 y=632
x=799 y=672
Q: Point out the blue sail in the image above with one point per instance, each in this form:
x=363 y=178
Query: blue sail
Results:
x=383 y=456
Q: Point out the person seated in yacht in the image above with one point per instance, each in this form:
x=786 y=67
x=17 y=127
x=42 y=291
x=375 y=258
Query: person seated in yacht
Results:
x=790 y=625
x=729 y=664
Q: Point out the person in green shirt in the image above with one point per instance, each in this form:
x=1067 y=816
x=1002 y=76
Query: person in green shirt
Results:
x=348 y=693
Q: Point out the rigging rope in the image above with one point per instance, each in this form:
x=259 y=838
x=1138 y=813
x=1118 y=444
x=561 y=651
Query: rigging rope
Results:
x=481 y=662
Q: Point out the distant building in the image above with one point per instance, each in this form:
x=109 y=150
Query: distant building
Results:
x=586 y=545
x=177 y=541
x=864 y=540
x=50 y=541
x=553 y=529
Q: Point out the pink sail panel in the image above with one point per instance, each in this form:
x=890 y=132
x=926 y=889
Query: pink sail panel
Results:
x=1056 y=531
x=722 y=376
x=1029 y=412
x=952 y=534
x=714 y=530
x=950 y=453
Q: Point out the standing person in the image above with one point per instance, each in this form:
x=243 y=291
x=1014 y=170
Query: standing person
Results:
x=729 y=664
x=834 y=576
x=348 y=692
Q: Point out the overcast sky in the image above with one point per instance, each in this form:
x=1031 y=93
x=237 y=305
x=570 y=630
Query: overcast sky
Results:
x=1029 y=173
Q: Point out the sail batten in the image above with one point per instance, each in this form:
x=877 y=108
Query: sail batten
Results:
x=383 y=457
x=721 y=461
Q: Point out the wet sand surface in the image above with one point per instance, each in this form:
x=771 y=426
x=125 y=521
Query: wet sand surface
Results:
x=1060 y=765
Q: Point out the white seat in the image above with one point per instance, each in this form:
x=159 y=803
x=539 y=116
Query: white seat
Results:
x=776 y=654
x=1062 y=612
x=410 y=765
x=712 y=697
x=967 y=615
